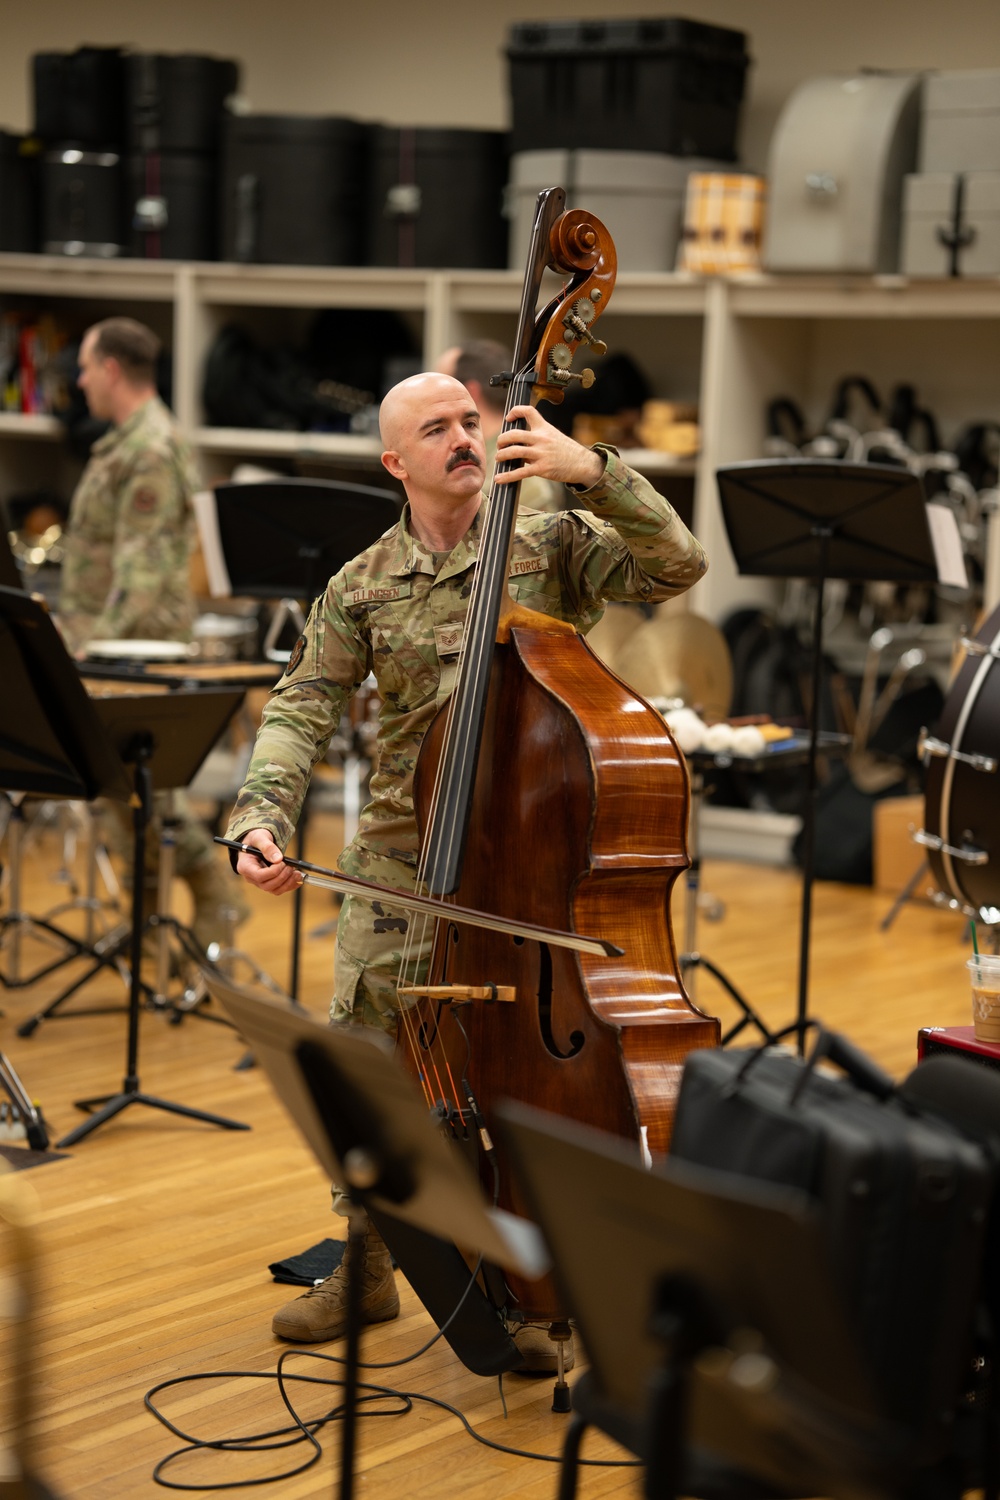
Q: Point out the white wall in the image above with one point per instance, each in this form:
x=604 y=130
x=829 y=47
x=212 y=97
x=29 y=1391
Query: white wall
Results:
x=440 y=62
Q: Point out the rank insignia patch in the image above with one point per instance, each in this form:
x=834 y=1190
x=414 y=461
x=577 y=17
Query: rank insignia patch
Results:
x=298 y=651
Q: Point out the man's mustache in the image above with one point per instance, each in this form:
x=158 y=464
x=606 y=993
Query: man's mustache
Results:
x=463 y=456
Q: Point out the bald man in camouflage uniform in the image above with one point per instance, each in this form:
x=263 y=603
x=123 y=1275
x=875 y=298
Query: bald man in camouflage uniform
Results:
x=127 y=564
x=398 y=611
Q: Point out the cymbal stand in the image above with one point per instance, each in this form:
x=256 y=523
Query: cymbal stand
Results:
x=691 y=960
x=108 y=1106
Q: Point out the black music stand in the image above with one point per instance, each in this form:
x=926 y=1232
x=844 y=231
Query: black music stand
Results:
x=822 y=519
x=708 y=1264
x=62 y=743
x=284 y=539
x=370 y=1129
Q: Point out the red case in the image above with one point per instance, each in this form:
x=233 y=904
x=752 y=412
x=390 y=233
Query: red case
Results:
x=931 y=1039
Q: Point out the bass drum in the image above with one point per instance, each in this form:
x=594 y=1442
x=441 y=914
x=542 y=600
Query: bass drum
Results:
x=961 y=830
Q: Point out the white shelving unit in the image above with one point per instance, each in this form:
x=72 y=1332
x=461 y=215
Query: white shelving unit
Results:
x=732 y=346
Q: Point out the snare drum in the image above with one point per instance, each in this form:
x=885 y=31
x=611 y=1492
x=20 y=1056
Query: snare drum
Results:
x=961 y=830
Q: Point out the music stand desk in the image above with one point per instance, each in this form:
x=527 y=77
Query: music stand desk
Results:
x=823 y=519
x=57 y=741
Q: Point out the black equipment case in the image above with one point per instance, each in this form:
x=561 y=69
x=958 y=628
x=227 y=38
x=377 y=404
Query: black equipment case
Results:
x=177 y=103
x=655 y=84
x=175 y=109
x=293 y=189
x=81 y=202
x=902 y=1193
x=18 y=193
x=436 y=198
x=80 y=96
x=172 y=199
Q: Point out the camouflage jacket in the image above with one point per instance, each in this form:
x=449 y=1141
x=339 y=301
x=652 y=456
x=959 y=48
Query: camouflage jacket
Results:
x=388 y=612
x=130 y=535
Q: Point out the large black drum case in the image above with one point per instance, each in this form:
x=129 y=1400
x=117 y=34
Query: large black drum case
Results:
x=80 y=96
x=177 y=103
x=436 y=198
x=293 y=190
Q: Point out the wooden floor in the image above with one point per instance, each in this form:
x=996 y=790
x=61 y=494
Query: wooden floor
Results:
x=155 y=1233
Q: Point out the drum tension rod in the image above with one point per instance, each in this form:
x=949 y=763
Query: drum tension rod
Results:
x=928 y=746
x=967 y=854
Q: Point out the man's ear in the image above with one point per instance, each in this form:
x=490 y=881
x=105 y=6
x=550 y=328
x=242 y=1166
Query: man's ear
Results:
x=394 y=463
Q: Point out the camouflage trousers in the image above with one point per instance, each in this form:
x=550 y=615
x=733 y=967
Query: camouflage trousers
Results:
x=193 y=842
x=371 y=939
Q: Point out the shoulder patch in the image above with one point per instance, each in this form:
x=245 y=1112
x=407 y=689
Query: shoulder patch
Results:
x=298 y=651
x=144 y=500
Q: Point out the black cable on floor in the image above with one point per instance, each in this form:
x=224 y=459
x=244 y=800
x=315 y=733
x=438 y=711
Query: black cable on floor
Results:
x=301 y=1430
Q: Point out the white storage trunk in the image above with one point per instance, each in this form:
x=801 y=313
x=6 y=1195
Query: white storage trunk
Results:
x=839 y=153
x=951 y=224
x=637 y=195
x=960 y=130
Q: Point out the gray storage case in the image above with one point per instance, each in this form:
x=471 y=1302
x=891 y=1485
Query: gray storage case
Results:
x=839 y=153
x=951 y=224
x=960 y=131
x=638 y=195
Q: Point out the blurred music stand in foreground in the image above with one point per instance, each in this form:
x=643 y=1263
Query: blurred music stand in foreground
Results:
x=822 y=519
x=720 y=1356
x=370 y=1130
x=284 y=539
x=62 y=743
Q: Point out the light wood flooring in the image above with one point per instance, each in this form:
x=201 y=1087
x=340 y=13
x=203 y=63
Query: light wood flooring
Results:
x=155 y=1233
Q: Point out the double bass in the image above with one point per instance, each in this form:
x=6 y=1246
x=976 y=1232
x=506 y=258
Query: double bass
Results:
x=548 y=793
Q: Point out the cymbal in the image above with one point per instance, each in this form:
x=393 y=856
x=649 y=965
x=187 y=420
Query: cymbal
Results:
x=679 y=656
x=617 y=625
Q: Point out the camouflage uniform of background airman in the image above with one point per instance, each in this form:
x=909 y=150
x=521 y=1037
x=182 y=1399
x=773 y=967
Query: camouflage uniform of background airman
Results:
x=127 y=577
x=130 y=536
x=394 y=612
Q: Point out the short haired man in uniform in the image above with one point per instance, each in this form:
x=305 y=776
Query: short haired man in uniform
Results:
x=399 y=611
x=128 y=544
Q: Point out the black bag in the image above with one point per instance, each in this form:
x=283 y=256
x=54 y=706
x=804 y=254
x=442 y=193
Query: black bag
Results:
x=903 y=1197
x=247 y=385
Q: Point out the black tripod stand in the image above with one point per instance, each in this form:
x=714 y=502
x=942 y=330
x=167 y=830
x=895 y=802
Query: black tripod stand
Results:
x=67 y=744
x=823 y=519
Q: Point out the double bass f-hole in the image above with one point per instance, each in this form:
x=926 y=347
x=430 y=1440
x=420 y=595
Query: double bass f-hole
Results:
x=545 y=996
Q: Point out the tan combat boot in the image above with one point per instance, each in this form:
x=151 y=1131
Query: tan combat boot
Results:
x=538 y=1350
x=321 y=1313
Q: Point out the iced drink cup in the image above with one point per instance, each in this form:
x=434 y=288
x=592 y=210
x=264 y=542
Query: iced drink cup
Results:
x=984 y=971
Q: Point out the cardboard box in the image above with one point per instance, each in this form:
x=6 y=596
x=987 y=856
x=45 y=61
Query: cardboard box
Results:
x=895 y=856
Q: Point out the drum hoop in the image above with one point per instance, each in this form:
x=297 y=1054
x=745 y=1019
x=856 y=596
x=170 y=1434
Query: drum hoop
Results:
x=947 y=780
